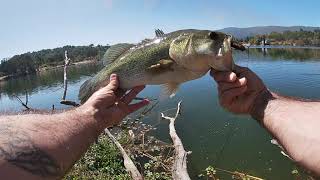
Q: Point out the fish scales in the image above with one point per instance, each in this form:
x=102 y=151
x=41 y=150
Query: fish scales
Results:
x=168 y=59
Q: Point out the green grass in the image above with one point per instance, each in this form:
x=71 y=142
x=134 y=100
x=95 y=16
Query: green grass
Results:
x=101 y=161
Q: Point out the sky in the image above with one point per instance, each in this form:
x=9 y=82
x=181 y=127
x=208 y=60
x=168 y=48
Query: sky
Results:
x=31 y=25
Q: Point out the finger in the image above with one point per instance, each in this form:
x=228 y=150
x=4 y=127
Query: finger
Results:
x=225 y=86
x=224 y=76
x=136 y=106
x=113 y=82
x=227 y=96
x=132 y=94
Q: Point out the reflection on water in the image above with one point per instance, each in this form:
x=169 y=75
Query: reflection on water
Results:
x=44 y=80
x=45 y=89
x=301 y=54
x=214 y=136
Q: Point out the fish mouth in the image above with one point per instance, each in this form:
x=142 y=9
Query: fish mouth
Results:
x=234 y=43
x=224 y=56
x=237 y=45
x=228 y=44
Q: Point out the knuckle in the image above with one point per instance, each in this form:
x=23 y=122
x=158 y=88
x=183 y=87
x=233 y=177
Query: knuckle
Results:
x=111 y=94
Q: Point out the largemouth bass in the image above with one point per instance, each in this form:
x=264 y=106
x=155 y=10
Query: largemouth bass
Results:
x=168 y=59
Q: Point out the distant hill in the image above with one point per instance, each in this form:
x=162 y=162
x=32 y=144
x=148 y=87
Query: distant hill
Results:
x=252 y=31
x=31 y=62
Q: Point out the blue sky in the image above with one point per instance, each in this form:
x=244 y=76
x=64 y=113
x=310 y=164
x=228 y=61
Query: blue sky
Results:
x=29 y=25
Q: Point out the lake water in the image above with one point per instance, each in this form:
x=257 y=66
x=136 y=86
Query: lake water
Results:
x=215 y=136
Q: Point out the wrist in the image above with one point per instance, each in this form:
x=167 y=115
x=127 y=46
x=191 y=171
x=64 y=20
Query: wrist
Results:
x=97 y=116
x=260 y=104
x=88 y=116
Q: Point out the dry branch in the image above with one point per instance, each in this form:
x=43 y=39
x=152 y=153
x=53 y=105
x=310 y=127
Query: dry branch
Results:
x=22 y=103
x=179 y=168
x=128 y=163
x=65 y=79
x=65 y=82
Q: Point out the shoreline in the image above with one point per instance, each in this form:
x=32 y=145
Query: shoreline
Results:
x=93 y=61
x=89 y=61
x=283 y=46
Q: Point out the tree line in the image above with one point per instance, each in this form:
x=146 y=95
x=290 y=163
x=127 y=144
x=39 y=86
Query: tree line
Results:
x=293 y=38
x=31 y=62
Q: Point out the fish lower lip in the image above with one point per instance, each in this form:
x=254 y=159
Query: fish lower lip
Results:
x=238 y=46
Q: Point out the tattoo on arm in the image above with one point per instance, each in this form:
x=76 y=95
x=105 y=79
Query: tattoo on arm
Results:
x=17 y=148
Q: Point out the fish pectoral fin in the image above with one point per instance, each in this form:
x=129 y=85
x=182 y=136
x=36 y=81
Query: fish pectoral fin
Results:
x=169 y=90
x=162 y=65
x=115 y=51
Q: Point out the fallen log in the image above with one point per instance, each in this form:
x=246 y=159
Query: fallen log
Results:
x=128 y=163
x=179 y=168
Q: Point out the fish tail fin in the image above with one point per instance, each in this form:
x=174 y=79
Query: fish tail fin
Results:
x=86 y=90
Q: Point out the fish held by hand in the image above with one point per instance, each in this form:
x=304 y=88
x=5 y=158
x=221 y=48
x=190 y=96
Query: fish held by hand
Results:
x=168 y=59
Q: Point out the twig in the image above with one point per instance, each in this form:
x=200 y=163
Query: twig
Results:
x=168 y=153
x=179 y=168
x=240 y=174
x=143 y=140
x=22 y=103
x=65 y=82
x=155 y=159
x=128 y=163
x=27 y=99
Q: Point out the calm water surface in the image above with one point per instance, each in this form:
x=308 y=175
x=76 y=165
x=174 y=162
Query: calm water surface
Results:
x=215 y=136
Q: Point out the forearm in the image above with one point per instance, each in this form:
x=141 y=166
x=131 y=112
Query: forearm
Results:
x=44 y=146
x=295 y=124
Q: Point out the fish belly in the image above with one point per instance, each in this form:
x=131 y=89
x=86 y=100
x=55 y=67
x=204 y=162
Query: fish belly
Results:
x=177 y=76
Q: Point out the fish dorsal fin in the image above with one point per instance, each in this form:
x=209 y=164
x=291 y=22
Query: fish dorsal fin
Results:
x=115 y=51
x=169 y=90
x=159 y=33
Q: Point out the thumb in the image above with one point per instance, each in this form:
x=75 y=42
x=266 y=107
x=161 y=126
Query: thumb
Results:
x=113 y=82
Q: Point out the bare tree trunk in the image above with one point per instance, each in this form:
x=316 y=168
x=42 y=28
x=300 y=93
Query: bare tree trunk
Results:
x=179 y=168
x=128 y=163
x=65 y=79
x=65 y=82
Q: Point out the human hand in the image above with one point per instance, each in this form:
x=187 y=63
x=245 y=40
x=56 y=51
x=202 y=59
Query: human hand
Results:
x=239 y=90
x=109 y=105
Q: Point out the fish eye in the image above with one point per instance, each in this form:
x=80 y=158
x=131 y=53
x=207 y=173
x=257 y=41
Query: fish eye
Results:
x=213 y=35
